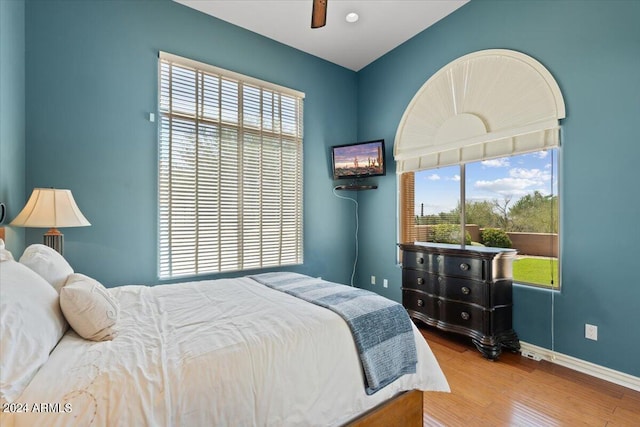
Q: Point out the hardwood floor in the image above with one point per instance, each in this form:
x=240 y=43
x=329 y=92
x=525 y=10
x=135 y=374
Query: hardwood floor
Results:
x=516 y=391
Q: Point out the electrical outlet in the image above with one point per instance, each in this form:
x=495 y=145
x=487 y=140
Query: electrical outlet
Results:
x=531 y=355
x=385 y=283
x=373 y=280
x=591 y=332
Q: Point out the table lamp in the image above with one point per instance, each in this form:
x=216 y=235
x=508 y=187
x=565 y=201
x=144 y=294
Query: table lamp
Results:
x=51 y=208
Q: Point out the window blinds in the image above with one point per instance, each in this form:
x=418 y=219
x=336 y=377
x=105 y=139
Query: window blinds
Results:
x=484 y=105
x=230 y=171
x=407 y=203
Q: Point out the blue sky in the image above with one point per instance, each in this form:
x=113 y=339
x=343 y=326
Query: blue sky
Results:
x=514 y=177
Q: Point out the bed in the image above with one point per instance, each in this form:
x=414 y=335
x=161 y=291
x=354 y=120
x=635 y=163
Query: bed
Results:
x=225 y=352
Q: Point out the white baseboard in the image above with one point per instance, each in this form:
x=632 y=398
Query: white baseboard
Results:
x=540 y=353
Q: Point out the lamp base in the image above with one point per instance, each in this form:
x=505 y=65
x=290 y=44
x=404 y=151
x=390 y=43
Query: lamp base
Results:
x=54 y=239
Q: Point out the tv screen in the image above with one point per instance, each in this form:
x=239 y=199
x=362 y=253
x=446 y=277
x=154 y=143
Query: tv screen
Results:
x=360 y=160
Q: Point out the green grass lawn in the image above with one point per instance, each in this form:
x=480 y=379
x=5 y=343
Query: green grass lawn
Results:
x=536 y=271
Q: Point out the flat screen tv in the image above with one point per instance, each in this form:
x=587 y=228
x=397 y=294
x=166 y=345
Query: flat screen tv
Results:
x=359 y=160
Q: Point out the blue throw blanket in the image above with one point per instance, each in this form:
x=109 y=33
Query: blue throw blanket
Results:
x=381 y=328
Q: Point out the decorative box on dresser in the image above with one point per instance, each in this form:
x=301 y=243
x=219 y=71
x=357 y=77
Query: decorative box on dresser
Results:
x=466 y=291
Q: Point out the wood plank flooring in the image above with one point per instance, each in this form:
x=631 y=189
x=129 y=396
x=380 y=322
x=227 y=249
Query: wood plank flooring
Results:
x=516 y=391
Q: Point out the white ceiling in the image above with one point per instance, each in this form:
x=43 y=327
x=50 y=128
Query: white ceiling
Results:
x=383 y=24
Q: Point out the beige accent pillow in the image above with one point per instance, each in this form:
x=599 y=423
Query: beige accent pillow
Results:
x=89 y=308
x=48 y=263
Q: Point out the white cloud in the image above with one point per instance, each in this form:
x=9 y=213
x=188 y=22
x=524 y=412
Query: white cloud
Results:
x=433 y=177
x=524 y=175
x=521 y=181
x=502 y=162
x=541 y=154
x=456 y=177
x=534 y=174
x=506 y=186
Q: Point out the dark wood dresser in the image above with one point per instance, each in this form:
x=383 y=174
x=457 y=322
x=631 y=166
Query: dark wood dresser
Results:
x=467 y=291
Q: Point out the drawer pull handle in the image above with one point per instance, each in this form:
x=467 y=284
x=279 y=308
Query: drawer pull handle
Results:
x=466 y=290
x=439 y=303
x=464 y=266
x=439 y=258
x=440 y=279
x=464 y=315
x=420 y=260
x=420 y=303
x=420 y=281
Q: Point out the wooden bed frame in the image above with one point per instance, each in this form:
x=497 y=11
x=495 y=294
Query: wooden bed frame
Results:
x=404 y=410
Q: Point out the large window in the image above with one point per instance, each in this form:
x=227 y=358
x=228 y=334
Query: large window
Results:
x=508 y=202
x=477 y=151
x=230 y=171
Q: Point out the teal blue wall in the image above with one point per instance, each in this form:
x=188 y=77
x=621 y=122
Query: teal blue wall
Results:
x=12 y=117
x=91 y=80
x=592 y=48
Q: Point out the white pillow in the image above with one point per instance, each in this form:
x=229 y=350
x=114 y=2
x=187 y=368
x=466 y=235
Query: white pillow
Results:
x=89 y=308
x=48 y=263
x=5 y=255
x=31 y=325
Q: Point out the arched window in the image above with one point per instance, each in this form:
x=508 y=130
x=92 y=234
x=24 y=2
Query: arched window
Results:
x=484 y=130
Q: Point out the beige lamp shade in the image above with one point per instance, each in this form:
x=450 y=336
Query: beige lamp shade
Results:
x=50 y=208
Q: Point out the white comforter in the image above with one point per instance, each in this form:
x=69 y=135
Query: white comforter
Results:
x=228 y=352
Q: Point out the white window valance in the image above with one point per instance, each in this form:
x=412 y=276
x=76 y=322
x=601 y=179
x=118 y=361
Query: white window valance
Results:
x=487 y=104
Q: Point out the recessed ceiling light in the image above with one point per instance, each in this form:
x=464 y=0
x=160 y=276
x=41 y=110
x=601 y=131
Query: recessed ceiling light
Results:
x=352 y=17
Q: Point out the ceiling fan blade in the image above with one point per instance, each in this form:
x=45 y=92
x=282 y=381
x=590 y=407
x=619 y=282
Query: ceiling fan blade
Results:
x=319 y=14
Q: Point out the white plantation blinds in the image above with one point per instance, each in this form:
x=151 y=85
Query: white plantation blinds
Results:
x=230 y=171
x=485 y=105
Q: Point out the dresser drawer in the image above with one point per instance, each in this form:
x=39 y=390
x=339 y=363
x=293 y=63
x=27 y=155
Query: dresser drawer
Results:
x=418 y=260
x=460 y=314
x=464 y=290
x=469 y=268
x=420 y=302
x=443 y=286
x=421 y=281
